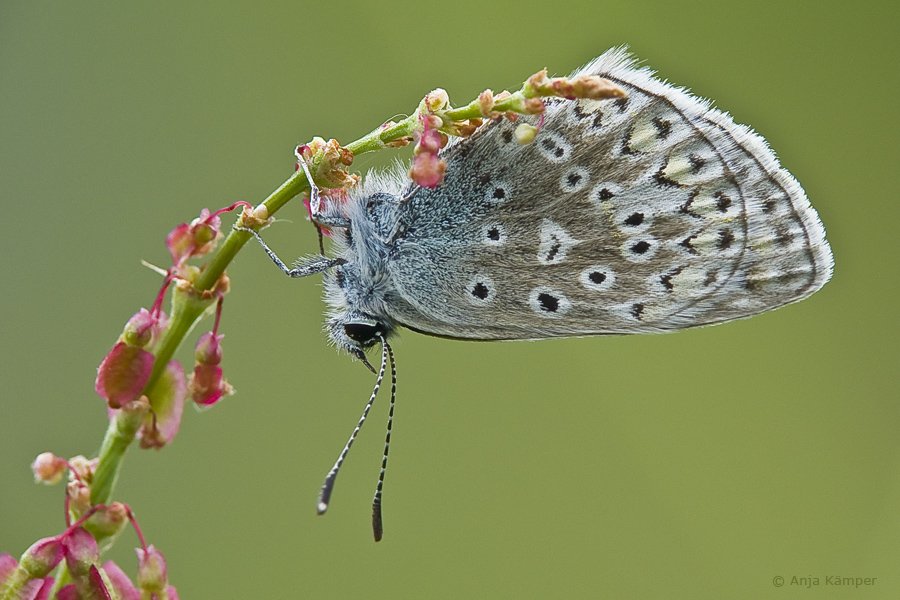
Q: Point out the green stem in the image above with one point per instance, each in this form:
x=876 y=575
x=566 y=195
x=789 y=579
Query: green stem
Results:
x=187 y=310
x=296 y=184
x=119 y=435
x=378 y=138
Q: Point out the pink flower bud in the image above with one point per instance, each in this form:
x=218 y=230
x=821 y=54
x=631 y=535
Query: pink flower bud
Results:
x=79 y=497
x=8 y=564
x=98 y=587
x=207 y=385
x=84 y=467
x=122 y=585
x=140 y=329
x=41 y=589
x=167 y=403
x=94 y=585
x=48 y=468
x=81 y=552
x=429 y=142
x=486 y=103
x=78 y=489
x=34 y=589
x=123 y=374
x=195 y=238
x=108 y=522
x=208 y=350
x=152 y=572
x=42 y=557
x=428 y=170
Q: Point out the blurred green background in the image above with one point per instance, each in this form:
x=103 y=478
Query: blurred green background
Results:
x=701 y=464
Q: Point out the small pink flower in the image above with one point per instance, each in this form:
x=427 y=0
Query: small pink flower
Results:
x=142 y=328
x=167 y=404
x=32 y=589
x=79 y=496
x=122 y=585
x=152 y=572
x=43 y=556
x=81 y=551
x=195 y=238
x=109 y=521
x=92 y=586
x=428 y=170
x=43 y=591
x=207 y=385
x=48 y=468
x=8 y=565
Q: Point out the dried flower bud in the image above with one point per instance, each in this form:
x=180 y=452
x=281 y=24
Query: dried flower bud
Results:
x=83 y=467
x=596 y=88
x=79 y=495
x=399 y=142
x=437 y=100
x=48 y=468
x=533 y=106
x=486 y=103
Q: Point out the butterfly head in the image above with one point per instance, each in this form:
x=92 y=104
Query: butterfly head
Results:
x=356 y=332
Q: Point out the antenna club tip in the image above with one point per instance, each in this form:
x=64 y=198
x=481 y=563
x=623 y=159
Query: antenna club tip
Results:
x=321 y=507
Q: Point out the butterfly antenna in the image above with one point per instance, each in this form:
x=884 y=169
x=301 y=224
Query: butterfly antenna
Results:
x=377 y=525
x=328 y=486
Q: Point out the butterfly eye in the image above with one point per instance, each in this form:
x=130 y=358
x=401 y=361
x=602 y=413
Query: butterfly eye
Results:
x=362 y=333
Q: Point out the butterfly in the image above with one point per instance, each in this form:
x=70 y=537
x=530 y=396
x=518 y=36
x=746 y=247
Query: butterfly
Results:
x=649 y=213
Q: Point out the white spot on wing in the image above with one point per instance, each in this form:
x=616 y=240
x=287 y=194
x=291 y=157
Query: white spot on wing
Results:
x=555 y=243
x=553 y=146
x=598 y=278
x=574 y=179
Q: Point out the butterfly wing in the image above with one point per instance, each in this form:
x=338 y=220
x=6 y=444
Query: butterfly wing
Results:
x=650 y=213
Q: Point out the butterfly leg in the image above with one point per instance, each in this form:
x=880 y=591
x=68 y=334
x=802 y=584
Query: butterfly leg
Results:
x=311 y=268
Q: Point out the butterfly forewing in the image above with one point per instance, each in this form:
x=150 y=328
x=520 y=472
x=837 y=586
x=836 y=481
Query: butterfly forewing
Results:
x=648 y=213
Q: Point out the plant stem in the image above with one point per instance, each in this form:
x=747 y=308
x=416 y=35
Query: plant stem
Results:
x=118 y=436
x=187 y=310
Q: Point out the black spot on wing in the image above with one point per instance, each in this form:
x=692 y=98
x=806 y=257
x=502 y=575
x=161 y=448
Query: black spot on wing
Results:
x=548 y=302
x=663 y=127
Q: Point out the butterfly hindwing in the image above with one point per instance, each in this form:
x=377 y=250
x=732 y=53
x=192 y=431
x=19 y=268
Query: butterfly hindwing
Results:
x=648 y=213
